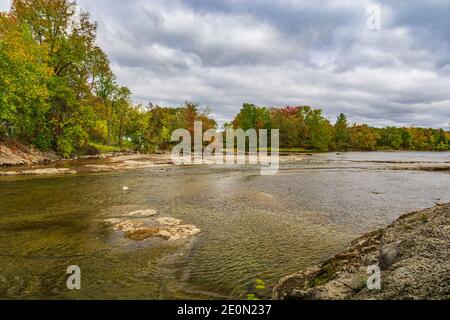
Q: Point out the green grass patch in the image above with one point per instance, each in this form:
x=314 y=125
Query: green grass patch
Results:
x=327 y=273
x=109 y=149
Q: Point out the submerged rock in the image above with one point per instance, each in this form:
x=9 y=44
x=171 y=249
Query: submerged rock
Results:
x=143 y=213
x=141 y=234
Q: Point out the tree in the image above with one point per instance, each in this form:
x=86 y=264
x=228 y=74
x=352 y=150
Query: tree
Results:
x=391 y=138
x=68 y=36
x=252 y=117
x=363 y=138
x=342 y=133
x=319 y=130
x=122 y=109
x=23 y=80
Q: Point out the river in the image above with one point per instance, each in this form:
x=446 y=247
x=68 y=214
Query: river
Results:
x=252 y=226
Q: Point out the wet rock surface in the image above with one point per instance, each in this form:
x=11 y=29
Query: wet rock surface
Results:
x=138 y=226
x=413 y=254
x=143 y=213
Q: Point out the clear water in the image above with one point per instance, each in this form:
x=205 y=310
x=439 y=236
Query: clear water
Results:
x=253 y=227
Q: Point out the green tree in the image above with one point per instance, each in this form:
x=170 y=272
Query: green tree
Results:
x=391 y=138
x=342 y=133
x=319 y=130
x=68 y=36
x=23 y=80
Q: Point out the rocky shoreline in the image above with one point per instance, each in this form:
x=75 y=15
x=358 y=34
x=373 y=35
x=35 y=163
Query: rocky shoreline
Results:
x=14 y=154
x=413 y=254
x=21 y=160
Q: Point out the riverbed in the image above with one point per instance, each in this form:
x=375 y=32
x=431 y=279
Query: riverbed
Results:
x=252 y=226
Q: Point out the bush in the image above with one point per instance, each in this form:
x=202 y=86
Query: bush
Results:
x=72 y=141
x=44 y=141
x=3 y=131
x=65 y=147
x=89 y=150
x=105 y=149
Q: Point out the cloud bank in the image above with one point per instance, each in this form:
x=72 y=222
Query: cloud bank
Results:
x=286 y=52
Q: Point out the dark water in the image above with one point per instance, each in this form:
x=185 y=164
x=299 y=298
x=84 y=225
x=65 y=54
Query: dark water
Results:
x=253 y=227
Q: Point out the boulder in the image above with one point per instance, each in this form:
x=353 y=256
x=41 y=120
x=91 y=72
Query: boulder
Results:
x=389 y=255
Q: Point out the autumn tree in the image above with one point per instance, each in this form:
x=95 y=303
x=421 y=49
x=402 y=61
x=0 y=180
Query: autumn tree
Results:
x=363 y=138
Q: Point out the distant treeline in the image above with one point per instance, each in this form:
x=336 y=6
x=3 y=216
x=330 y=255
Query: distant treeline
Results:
x=305 y=127
x=58 y=92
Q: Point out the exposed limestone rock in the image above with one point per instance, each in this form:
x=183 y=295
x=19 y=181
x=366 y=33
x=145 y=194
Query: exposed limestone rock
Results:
x=413 y=253
x=36 y=172
x=15 y=154
x=143 y=213
x=179 y=232
x=129 y=226
x=113 y=221
x=168 y=229
x=168 y=221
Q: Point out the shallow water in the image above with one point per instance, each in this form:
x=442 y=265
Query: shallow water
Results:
x=253 y=226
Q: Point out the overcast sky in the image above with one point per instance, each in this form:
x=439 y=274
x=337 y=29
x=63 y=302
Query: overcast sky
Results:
x=285 y=52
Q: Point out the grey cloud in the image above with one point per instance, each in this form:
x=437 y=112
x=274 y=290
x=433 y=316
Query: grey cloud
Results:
x=286 y=52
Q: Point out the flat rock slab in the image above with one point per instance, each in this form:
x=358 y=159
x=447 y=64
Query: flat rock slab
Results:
x=143 y=213
x=168 y=221
x=170 y=229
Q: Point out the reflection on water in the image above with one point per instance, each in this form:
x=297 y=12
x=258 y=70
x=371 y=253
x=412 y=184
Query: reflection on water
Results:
x=252 y=226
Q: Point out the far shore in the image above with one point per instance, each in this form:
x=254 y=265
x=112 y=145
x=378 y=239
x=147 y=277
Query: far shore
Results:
x=20 y=160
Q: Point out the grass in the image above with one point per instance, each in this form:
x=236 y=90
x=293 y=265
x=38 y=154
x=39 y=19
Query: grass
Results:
x=108 y=149
x=327 y=273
